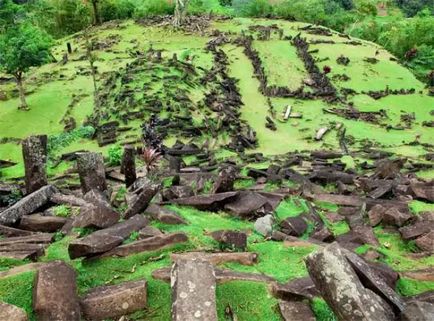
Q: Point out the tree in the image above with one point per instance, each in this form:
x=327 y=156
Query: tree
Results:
x=21 y=47
x=180 y=12
x=96 y=17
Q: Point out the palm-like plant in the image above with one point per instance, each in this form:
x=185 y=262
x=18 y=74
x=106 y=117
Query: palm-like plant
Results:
x=151 y=157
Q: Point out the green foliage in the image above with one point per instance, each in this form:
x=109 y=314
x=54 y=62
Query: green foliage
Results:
x=116 y=9
x=56 y=142
x=413 y=7
x=62 y=211
x=321 y=310
x=151 y=8
x=252 y=8
x=115 y=155
x=22 y=47
x=17 y=290
x=10 y=14
x=408 y=287
x=7 y=263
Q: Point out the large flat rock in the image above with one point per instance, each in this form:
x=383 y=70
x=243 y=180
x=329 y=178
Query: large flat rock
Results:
x=107 y=302
x=9 y=312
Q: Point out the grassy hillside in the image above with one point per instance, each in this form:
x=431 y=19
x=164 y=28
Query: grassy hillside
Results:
x=57 y=92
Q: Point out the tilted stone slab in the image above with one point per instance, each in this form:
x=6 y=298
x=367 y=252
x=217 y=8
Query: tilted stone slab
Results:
x=418 y=311
x=244 y=258
x=297 y=289
x=107 y=302
x=193 y=291
x=149 y=244
x=104 y=240
x=141 y=201
x=341 y=288
x=27 y=205
x=207 y=202
x=40 y=223
x=35 y=162
x=55 y=293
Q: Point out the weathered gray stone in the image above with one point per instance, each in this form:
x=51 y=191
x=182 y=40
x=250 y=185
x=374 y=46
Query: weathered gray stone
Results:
x=264 y=225
x=340 y=287
x=104 y=240
x=55 y=293
x=248 y=204
x=149 y=231
x=9 y=312
x=128 y=165
x=35 y=162
x=141 y=201
x=418 y=311
x=91 y=171
x=410 y=232
x=373 y=281
x=107 y=302
x=296 y=311
x=193 y=291
x=294 y=226
x=27 y=205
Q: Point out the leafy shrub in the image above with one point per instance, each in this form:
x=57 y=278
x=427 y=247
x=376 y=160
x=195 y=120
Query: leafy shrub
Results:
x=252 y=8
x=115 y=155
x=64 y=139
x=116 y=9
x=151 y=8
x=62 y=211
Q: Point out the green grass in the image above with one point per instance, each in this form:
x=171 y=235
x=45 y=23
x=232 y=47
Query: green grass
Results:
x=408 y=287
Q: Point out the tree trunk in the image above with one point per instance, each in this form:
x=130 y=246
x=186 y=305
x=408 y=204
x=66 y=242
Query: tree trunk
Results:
x=96 y=18
x=19 y=80
x=180 y=12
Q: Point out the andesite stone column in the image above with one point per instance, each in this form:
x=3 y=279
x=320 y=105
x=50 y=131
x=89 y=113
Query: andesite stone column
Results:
x=128 y=165
x=35 y=162
x=91 y=171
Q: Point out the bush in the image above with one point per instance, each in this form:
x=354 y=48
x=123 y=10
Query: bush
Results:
x=115 y=155
x=151 y=8
x=116 y=9
x=252 y=8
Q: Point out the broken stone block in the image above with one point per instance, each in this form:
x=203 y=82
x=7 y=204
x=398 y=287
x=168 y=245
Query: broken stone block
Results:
x=264 y=225
x=426 y=242
x=411 y=232
x=140 y=201
x=375 y=214
x=340 y=287
x=245 y=258
x=294 y=226
x=128 y=165
x=213 y=202
x=423 y=190
x=104 y=240
x=35 y=162
x=91 y=171
x=297 y=289
x=96 y=213
x=225 y=181
x=232 y=239
x=248 y=204
x=39 y=223
x=177 y=192
x=164 y=215
x=296 y=311
x=149 y=231
x=27 y=205
x=373 y=281
x=193 y=291
x=9 y=312
x=55 y=293
x=70 y=200
x=418 y=311
x=149 y=244
x=10 y=231
x=323 y=235
x=109 y=302
x=394 y=216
